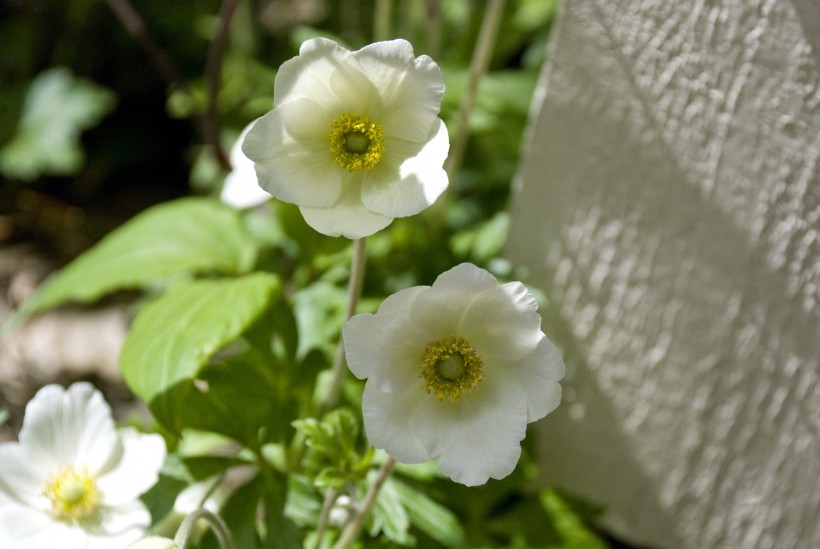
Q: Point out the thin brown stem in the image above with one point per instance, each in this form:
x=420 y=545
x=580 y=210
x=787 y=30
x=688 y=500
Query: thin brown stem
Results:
x=134 y=24
x=351 y=532
x=213 y=81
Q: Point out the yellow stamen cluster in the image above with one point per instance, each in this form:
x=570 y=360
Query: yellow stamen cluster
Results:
x=357 y=143
x=450 y=368
x=73 y=494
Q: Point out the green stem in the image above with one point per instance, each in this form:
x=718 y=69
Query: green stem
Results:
x=381 y=20
x=351 y=532
x=216 y=524
x=354 y=291
x=478 y=68
x=327 y=506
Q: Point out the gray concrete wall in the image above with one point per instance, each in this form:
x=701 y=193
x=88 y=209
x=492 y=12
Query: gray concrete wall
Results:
x=669 y=205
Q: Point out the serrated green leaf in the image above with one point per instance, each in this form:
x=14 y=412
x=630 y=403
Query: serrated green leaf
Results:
x=432 y=518
x=173 y=337
x=186 y=236
x=58 y=107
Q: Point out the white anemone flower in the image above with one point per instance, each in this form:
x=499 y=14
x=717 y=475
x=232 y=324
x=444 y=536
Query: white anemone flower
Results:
x=73 y=480
x=241 y=189
x=154 y=542
x=354 y=138
x=455 y=371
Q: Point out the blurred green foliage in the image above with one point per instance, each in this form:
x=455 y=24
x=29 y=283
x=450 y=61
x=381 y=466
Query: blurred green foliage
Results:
x=244 y=309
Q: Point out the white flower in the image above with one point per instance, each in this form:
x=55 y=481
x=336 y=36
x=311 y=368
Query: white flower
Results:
x=354 y=138
x=73 y=480
x=455 y=371
x=241 y=188
x=154 y=542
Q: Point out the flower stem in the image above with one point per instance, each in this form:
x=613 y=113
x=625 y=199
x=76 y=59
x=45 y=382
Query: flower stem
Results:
x=351 y=532
x=213 y=73
x=216 y=524
x=136 y=27
x=354 y=291
x=381 y=20
x=324 y=515
x=478 y=68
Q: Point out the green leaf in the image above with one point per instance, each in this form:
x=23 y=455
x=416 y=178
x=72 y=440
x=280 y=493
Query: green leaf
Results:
x=242 y=400
x=173 y=337
x=432 y=518
x=389 y=515
x=58 y=107
x=186 y=236
x=319 y=311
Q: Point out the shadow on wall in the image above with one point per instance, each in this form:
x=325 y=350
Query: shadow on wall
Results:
x=691 y=401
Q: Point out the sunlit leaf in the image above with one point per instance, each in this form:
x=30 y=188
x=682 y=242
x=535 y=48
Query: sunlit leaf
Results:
x=173 y=337
x=182 y=237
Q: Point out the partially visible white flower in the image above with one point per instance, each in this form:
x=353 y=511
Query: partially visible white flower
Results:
x=194 y=496
x=73 y=480
x=455 y=371
x=354 y=139
x=154 y=542
x=241 y=189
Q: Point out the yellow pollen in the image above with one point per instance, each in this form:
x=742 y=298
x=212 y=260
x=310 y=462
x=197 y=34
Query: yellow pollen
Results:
x=450 y=368
x=357 y=143
x=73 y=494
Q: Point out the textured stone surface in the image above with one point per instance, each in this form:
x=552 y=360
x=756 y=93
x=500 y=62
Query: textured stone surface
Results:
x=669 y=206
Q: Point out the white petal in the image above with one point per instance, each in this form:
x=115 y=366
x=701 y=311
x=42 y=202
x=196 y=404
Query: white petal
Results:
x=421 y=176
x=387 y=423
x=135 y=470
x=383 y=347
x=241 y=188
x=503 y=322
x=299 y=172
x=26 y=528
x=306 y=119
x=68 y=427
x=20 y=479
x=537 y=375
x=441 y=310
x=479 y=436
x=348 y=217
x=154 y=542
x=410 y=89
x=124 y=524
x=325 y=72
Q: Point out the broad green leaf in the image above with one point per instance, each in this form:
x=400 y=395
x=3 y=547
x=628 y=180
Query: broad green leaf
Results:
x=242 y=400
x=173 y=337
x=58 y=107
x=432 y=518
x=190 y=235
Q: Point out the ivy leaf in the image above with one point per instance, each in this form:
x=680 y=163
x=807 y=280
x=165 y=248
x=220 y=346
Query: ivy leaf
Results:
x=182 y=237
x=57 y=108
x=173 y=337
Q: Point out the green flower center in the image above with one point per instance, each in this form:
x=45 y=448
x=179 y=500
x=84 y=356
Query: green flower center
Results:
x=73 y=494
x=357 y=143
x=450 y=367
